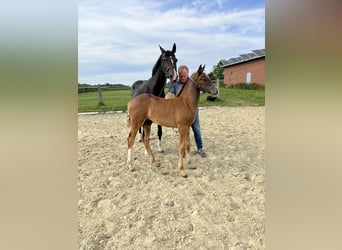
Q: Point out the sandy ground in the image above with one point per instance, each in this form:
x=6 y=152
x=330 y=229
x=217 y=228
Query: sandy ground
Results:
x=221 y=205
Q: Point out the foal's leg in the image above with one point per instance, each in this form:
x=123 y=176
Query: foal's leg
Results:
x=146 y=141
x=147 y=123
x=160 y=132
x=130 y=141
x=181 y=149
x=187 y=151
x=187 y=146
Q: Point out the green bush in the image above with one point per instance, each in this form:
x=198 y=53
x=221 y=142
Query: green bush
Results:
x=117 y=99
x=243 y=85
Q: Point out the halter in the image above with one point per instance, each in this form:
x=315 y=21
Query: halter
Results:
x=172 y=67
x=199 y=86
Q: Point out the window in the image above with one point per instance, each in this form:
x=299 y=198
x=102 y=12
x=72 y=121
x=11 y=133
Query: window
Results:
x=249 y=77
x=231 y=77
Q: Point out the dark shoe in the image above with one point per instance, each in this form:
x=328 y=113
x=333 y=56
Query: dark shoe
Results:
x=202 y=153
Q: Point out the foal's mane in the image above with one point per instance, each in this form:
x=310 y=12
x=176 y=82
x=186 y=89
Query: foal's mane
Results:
x=183 y=87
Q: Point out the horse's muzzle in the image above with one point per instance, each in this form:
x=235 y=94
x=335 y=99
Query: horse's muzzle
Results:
x=213 y=90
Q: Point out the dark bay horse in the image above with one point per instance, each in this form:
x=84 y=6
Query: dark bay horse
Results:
x=178 y=112
x=165 y=68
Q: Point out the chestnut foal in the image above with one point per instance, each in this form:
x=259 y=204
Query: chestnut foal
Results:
x=178 y=112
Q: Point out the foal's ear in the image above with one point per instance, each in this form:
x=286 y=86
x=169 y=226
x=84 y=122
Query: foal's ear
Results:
x=174 y=48
x=200 y=69
x=161 y=49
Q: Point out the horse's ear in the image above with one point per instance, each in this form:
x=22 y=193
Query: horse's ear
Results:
x=174 y=48
x=161 y=49
x=200 y=70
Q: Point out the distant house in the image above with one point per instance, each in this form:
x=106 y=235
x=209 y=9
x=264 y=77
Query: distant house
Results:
x=247 y=68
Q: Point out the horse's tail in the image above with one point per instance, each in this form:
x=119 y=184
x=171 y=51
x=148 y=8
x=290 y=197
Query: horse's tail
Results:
x=128 y=120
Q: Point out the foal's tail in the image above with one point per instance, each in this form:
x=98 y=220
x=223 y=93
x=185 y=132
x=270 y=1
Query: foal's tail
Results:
x=128 y=120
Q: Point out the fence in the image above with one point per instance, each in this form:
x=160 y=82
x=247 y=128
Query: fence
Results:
x=99 y=89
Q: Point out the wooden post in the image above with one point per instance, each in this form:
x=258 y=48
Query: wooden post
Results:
x=101 y=103
x=218 y=87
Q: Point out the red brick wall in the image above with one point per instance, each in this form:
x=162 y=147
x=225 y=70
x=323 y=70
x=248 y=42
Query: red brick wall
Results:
x=239 y=72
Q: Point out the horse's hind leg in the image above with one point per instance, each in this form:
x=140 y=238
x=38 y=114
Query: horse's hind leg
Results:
x=160 y=132
x=146 y=141
x=140 y=135
x=130 y=142
x=147 y=123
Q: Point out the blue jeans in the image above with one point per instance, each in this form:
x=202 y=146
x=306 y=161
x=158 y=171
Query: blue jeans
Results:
x=197 y=131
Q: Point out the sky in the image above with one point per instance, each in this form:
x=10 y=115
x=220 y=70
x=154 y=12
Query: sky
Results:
x=118 y=41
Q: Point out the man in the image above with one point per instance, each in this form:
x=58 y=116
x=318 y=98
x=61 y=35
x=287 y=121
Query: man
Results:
x=183 y=73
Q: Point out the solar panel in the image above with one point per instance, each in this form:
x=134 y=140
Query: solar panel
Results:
x=259 y=52
x=245 y=57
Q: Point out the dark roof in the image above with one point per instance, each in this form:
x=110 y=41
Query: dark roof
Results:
x=258 y=53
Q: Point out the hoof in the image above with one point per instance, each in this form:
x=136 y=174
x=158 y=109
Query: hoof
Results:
x=130 y=167
x=184 y=175
x=155 y=164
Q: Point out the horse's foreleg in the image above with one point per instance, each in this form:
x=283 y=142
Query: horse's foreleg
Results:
x=160 y=132
x=181 y=149
x=146 y=140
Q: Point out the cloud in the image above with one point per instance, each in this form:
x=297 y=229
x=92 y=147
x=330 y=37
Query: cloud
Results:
x=121 y=41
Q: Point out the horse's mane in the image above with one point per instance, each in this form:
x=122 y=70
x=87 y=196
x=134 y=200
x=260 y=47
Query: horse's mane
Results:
x=156 y=65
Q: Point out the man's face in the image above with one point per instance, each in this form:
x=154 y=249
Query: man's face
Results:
x=183 y=75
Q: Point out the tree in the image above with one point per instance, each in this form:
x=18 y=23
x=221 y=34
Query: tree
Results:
x=217 y=72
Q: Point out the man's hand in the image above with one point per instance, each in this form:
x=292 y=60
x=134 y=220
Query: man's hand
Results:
x=168 y=95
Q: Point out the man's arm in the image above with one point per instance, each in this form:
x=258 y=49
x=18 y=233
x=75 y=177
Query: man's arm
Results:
x=172 y=91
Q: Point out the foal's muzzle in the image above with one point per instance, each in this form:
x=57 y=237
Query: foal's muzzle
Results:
x=211 y=90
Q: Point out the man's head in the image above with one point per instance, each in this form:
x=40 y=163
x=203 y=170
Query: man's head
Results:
x=183 y=73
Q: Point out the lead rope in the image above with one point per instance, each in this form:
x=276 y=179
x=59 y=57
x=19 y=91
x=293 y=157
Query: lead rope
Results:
x=182 y=87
